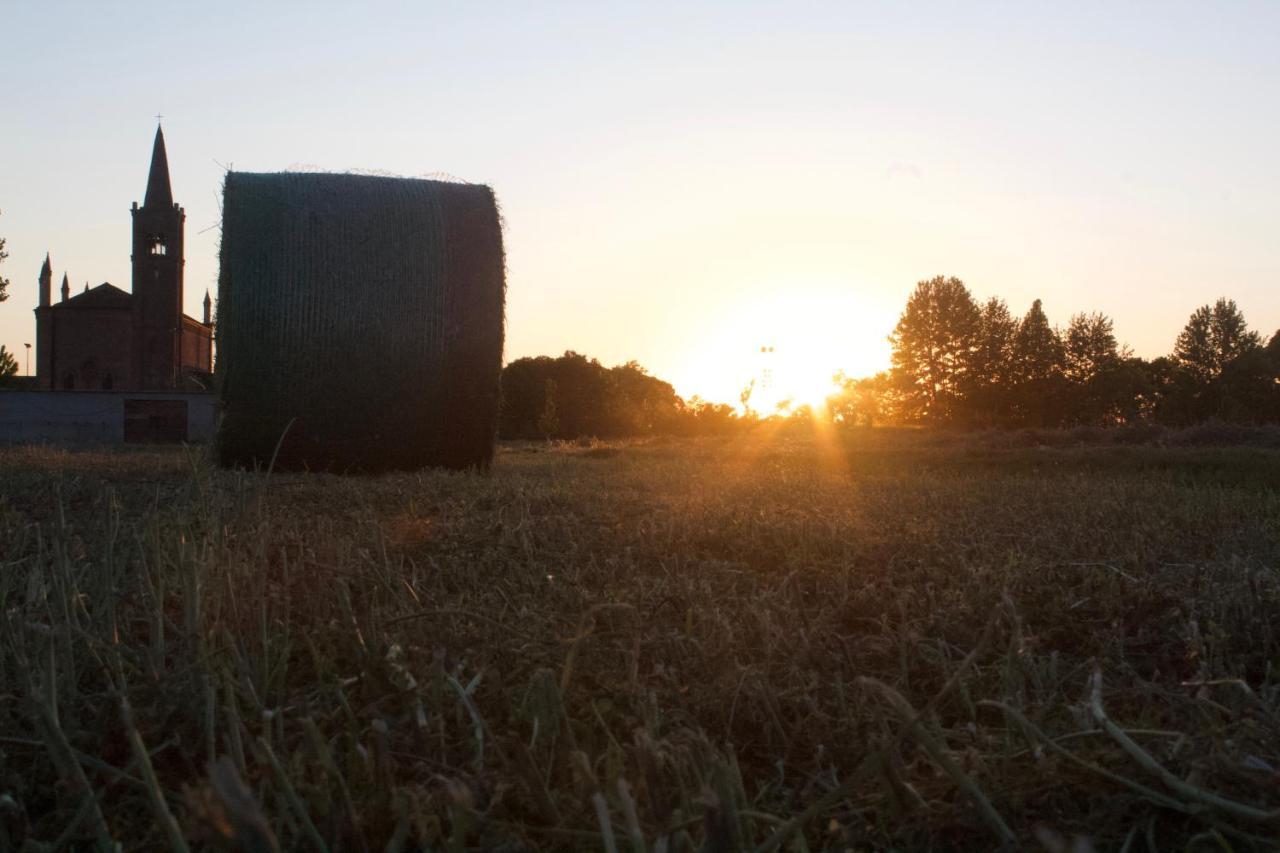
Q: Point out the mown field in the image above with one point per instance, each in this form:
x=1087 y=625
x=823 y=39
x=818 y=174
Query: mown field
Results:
x=776 y=641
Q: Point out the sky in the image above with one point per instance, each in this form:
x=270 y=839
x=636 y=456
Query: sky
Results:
x=684 y=183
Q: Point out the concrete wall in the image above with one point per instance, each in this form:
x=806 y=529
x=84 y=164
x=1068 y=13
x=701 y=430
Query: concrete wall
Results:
x=90 y=417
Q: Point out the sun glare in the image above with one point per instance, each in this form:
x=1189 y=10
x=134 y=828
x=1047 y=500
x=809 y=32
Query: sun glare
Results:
x=787 y=347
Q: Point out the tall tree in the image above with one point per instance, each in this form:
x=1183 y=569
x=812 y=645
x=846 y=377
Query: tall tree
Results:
x=1037 y=348
x=1103 y=383
x=994 y=355
x=1215 y=336
x=987 y=395
x=1090 y=347
x=934 y=345
x=1040 y=386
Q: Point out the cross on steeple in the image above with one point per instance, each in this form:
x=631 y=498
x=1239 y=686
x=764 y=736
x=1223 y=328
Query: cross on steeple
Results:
x=159 y=117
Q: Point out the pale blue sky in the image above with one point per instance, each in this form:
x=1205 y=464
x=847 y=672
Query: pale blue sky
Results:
x=682 y=182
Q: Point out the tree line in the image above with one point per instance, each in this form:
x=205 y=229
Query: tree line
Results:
x=573 y=396
x=960 y=363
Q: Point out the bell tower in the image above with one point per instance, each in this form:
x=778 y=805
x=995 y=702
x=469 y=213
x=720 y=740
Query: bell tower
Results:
x=157 y=279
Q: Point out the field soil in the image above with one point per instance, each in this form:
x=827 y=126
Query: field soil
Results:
x=788 y=640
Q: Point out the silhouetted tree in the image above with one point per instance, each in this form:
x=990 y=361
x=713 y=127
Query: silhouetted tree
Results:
x=957 y=363
x=8 y=366
x=1037 y=349
x=1123 y=393
x=1271 y=409
x=998 y=331
x=934 y=345
x=1248 y=389
x=1089 y=347
x=1173 y=392
x=1038 y=357
x=1213 y=337
x=1092 y=362
x=987 y=390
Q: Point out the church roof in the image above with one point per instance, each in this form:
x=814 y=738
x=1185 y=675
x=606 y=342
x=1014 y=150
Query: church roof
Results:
x=159 y=193
x=105 y=295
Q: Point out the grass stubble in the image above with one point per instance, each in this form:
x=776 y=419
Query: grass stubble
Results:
x=768 y=643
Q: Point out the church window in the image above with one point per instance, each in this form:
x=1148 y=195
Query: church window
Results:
x=157 y=242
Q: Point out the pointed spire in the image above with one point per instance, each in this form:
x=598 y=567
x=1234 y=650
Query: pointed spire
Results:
x=86 y=287
x=66 y=288
x=46 y=280
x=158 y=192
x=208 y=308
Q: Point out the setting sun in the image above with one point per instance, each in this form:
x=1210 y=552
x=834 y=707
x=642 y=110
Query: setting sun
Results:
x=788 y=345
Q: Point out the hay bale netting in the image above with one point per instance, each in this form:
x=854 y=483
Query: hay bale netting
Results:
x=361 y=318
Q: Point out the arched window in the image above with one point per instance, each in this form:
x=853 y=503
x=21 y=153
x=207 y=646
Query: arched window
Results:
x=157 y=244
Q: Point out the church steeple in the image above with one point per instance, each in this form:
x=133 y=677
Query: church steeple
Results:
x=46 y=280
x=208 y=308
x=66 y=288
x=157 y=279
x=159 y=193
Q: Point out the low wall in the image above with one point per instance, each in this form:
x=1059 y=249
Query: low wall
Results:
x=99 y=417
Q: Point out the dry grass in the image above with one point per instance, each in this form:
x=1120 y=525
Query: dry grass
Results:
x=769 y=643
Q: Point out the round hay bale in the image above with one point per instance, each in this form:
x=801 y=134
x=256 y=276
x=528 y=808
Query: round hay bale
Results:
x=360 y=322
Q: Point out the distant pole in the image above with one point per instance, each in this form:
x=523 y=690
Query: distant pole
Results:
x=28 y=346
x=766 y=372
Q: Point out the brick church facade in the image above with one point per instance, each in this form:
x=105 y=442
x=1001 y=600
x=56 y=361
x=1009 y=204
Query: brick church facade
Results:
x=107 y=339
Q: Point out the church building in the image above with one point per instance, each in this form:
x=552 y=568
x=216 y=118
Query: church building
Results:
x=107 y=339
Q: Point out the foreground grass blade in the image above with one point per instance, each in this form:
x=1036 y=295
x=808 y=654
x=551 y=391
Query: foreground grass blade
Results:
x=938 y=753
x=1145 y=759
